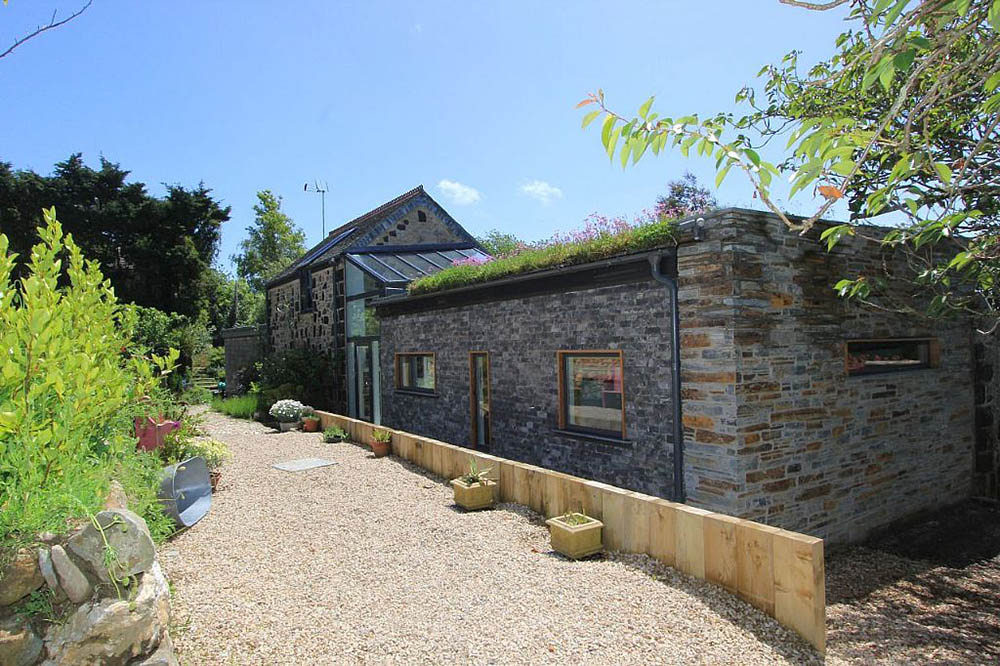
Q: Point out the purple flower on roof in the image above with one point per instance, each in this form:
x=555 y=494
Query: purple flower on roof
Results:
x=471 y=261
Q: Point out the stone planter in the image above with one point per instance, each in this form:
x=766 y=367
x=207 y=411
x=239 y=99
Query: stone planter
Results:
x=575 y=541
x=381 y=449
x=285 y=426
x=475 y=496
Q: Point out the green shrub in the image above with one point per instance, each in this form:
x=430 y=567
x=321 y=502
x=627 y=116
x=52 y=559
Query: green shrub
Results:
x=295 y=374
x=239 y=406
x=334 y=434
x=195 y=395
x=69 y=391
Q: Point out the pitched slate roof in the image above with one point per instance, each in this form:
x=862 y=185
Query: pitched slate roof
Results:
x=362 y=230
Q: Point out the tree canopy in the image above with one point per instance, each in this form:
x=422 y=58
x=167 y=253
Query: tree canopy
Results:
x=157 y=252
x=273 y=242
x=902 y=118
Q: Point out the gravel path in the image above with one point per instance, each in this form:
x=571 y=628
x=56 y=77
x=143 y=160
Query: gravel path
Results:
x=368 y=562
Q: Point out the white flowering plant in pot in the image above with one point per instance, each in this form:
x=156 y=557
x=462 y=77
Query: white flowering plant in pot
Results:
x=286 y=411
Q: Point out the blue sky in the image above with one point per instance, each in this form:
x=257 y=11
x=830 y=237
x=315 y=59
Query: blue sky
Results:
x=474 y=100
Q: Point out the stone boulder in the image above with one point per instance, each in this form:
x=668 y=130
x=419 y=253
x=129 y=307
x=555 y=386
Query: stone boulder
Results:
x=72 y=581
x=164 y=655
x=19 y=646
x=49 y=574
x=127 y=533
x=20 y=578
x=113 y=632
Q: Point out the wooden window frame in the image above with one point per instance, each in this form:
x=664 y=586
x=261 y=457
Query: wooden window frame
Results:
x=472 y=397
x=933 y=355
x=398 y=378
x=563 y=407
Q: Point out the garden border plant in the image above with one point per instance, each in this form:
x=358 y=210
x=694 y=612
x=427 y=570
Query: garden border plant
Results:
x=71 y=384
x=601 y=238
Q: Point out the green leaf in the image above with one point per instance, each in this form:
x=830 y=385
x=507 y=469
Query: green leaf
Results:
x=943 y=171
x=993 y=17
x=843 y=167
x=589 y=118
x=903 y=61
x=644 y=109
x=612 y=142
x=722 y=174
x=609 y=125
x=752 y=154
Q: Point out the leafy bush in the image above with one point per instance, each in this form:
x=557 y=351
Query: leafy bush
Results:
x=240 y=406
x=600 y=239
x=195 y=395
x=157 y=331
x=334 y=434
x=214 y=452
x=69 y=391
x=286 y=411
x=298 y=374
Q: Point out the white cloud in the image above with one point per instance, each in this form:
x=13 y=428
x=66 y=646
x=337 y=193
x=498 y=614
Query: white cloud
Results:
x=459 y=194
x=544 y=192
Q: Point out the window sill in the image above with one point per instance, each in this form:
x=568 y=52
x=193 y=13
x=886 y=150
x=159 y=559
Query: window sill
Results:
x=606 y=439
x=422 y=394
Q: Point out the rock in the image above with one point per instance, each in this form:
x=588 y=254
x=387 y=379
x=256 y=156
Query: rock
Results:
x=116 y=497
x=49 y=574
x=112 y=631
x=128 y=535
x=20 y=578
x=19 y=646
x=163 y=656
x=71 y=579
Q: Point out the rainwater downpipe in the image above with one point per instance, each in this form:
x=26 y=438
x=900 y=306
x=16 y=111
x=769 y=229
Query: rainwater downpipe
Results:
x=669 y=279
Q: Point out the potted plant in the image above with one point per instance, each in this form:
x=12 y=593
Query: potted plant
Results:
x=215 y=454
x=334 y=434
x=473 y=490
x=381 y=442
x=286 y=413
x=575 y=534
x=310 y=420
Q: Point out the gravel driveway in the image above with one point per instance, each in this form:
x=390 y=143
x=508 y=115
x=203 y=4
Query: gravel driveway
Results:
x=369 y=562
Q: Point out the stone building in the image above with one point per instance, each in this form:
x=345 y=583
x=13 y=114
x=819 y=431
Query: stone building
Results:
x=322 y=301
x=800 y=409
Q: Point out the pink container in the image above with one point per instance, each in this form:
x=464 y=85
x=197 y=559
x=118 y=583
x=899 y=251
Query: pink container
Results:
x=151 y=434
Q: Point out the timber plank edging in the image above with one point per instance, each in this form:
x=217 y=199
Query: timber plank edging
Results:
x=778 y=571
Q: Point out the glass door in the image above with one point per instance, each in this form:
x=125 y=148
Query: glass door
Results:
x=479 y=389
x=366 y=384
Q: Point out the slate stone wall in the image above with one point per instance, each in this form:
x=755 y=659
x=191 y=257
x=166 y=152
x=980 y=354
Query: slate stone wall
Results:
x=522 y=336
x=775 y=429
x=819 y=451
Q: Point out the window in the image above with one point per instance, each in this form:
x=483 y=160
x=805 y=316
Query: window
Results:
x=867 y=357
x=592 y=392
x=415 y=372
x=305 y=290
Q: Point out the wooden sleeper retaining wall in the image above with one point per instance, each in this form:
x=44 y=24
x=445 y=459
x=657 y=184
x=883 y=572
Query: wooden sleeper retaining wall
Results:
x=778 y=571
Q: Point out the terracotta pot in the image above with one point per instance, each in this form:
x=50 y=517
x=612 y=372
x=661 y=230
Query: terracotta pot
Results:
x=213 y=477
x=381 y=449
x=310 y=424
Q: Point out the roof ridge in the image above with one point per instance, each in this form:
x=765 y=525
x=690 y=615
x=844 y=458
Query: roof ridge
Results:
x=382 y=208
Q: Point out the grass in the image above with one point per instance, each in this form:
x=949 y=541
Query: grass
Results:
x=596 y=242
x=239 y=406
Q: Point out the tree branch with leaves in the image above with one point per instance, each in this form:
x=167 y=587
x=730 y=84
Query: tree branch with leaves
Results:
x=903 y=118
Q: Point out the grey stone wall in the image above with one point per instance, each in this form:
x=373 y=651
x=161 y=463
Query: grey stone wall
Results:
x=819 y=451
x=522 y=336
x=775 y=429
x=244 y=346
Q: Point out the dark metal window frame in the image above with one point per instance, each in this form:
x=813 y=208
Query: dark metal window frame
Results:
x=933 y=353
x=397 y=366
